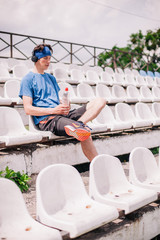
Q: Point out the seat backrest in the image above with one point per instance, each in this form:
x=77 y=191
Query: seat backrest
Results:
x=106 y=77
x=20 y=71
x=57 y=185
x=128 y=71
x=118 y=91
x=11 y=202
x=145 y=92
x=140 y=80
x=119 y=78
x=157 y=74
x=124 y=112
x=11 y=88
x=103 y=91
x=135 y=72
x=60 y=73
x=143 y=73
x=77 y=74
x=119 y=70
x=143 y=164
x=85 y=90
x=105 y=116
x=130 y=78
x=156 y=92
x=107 y=174
x=156 y=109
x=62 y=86
x=109 y=70
x=4 y=71
x=10 y=121
x=150 y=81
x=92 y=76
x=151 y=74
x=133 y=92
x=143 y=111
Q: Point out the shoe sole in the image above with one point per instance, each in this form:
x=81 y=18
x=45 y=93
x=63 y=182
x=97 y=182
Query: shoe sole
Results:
x=79 y=134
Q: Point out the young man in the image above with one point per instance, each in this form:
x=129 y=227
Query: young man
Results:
x=39 y=91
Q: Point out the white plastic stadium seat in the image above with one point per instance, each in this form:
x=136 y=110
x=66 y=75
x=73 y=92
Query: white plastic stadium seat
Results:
x=33 y=128
x=72 y=96
x=146 y=94
x=108 y=184
x=143 y=111
x=4 y=74
x=110 y=71
x=106 y=118
x=143 y=169
x=104 y=92
x=98 y=69
x=16 y=222
x=19 y=71
x=124 y=113
x=63 y=203
x=150 y=81
x=140 y=81
x=61 y=75
x=128 y=71
x=106 y=78
x=156 y=109
x=119 y=79
x=85 y=91
x=119 y=70
x=133 y=92
x=130 y=80
x=12 y=130
x=11 y=90
x=5 y=101
x=92 y=77
x=157 y=81
x=77 y=76
x=156 y=94
x=135 y=72
x=120 y=93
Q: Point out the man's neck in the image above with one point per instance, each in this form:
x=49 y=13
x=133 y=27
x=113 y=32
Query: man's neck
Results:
x=37 y=69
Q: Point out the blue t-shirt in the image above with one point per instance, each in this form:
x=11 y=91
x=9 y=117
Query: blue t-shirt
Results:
x=43 y=89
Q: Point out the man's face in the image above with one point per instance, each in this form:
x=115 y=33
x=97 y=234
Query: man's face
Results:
x=44 y=62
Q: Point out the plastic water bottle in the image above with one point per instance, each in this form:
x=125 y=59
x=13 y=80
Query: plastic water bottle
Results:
x=65 y=97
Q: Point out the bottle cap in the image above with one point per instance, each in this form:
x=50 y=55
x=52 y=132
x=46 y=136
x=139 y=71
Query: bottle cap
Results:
x=66 y=89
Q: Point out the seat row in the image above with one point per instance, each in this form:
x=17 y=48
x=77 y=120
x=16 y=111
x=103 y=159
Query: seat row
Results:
x=62 y=202
x=91 y=75
x=13 y=131
x=83 y=93
x=10 y=63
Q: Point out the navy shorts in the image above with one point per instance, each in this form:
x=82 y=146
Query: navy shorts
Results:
x=56 y=123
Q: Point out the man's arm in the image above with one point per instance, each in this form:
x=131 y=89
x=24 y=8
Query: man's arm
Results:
x=61 y=109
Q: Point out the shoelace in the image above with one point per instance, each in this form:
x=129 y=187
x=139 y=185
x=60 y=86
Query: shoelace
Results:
x=84 y=125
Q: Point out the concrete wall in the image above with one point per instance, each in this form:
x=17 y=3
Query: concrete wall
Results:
x=32 y=158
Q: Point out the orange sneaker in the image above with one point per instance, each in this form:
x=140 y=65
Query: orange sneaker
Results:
x=78 y=130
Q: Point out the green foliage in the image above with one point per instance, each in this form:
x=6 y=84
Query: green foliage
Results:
x=140 y=50
x=20 y=179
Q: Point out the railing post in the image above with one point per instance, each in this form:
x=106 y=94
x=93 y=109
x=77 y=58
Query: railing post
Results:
x=94 y=56
x=11 y=45
x=71 y=53
x=114 y=60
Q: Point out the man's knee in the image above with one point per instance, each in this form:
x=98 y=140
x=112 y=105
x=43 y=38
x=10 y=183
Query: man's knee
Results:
x=101 y=102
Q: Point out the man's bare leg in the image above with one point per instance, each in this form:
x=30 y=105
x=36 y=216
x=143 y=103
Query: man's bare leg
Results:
x=89 y=149
x=93 y=108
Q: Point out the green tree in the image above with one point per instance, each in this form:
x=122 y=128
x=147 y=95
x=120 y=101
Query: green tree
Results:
x=141 y=52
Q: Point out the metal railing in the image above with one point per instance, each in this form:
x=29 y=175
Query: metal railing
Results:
x=19 y=46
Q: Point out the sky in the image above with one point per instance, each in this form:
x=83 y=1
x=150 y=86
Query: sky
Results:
x=100 y=23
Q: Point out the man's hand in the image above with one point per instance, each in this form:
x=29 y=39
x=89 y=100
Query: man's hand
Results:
x=62 y=109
